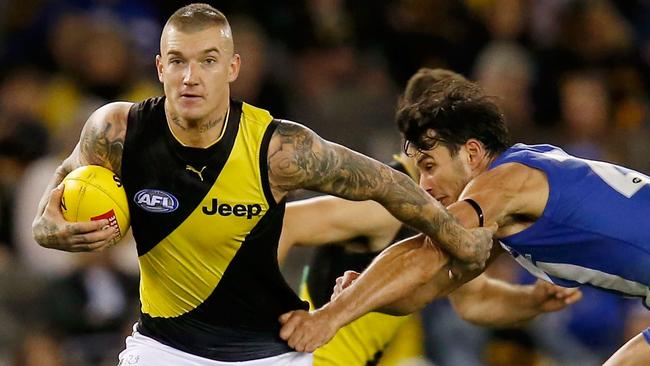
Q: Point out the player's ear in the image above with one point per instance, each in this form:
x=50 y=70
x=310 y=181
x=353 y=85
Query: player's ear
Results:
x=159 y=68
x=475 y=151
x=233 y=69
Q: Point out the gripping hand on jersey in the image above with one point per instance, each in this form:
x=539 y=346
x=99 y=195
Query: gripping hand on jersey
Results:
x=52 y=231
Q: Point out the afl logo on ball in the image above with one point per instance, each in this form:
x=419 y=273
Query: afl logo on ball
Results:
x=110 y=216
x=157 y=201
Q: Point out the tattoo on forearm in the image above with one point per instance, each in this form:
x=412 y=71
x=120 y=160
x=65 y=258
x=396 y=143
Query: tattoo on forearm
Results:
x=304 y=160
x=103 y=145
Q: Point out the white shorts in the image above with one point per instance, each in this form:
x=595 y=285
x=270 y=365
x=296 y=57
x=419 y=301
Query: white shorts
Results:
x=145 y=351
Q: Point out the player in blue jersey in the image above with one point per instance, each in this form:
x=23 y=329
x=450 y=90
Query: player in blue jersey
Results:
x=567 y=220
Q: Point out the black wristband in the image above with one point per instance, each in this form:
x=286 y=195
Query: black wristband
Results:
x=478 y=210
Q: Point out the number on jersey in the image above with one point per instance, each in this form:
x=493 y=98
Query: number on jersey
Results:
x=624 y=181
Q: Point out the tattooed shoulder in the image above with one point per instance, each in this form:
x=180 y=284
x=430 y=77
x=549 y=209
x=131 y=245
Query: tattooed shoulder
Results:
x=102 y=139
x=292 y=156
x=299 y=158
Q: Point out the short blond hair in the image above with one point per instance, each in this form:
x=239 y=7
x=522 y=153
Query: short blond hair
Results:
x=196 y=17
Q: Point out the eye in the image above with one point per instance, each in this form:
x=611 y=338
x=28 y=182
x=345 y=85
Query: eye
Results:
x=175 y=61
x=426 y=166
x=210 y=61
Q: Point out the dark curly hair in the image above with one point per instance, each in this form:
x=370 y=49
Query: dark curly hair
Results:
x=456 y=110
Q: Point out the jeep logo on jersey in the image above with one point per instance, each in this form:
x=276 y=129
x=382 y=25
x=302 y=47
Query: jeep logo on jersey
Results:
x=153 y=200
x=225 y=209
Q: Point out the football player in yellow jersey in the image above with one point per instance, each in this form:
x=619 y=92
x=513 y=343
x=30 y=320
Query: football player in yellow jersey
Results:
x=361 y=230
x=207 y=179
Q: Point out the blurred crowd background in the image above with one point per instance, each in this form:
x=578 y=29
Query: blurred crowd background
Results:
x=573 y=73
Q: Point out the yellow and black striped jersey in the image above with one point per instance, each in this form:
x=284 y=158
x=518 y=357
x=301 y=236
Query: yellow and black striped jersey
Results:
x=207 y=229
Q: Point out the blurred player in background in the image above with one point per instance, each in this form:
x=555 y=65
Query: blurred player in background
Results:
x=207 y=178
x=569 y=221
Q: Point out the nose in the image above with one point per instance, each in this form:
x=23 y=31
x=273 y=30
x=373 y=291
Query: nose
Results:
x=426 y=184
x=191 y=76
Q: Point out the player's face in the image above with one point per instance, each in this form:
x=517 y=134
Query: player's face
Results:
x=443 y=175
x=196 y=69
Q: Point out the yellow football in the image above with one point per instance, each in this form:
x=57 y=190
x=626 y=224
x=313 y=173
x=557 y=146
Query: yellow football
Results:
x=94 y=193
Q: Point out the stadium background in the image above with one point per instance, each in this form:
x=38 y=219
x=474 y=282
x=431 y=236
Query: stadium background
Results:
x=572 y=73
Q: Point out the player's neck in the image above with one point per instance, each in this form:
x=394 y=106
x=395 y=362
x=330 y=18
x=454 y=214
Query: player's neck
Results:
x=484 y=164
x=201 y=133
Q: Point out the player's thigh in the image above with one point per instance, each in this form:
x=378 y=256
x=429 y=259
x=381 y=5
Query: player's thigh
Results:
x=635 y=352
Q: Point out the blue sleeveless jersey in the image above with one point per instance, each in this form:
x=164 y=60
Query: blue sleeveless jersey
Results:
x=595 y=229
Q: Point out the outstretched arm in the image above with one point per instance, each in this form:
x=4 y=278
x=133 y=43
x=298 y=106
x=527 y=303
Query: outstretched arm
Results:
x=490 y=302
x=101 y=143
x=298 y=158
x=483 y=301
x=329 y=219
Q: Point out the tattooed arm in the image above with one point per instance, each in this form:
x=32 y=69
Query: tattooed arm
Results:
x=101 y=143
x=298 y=158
